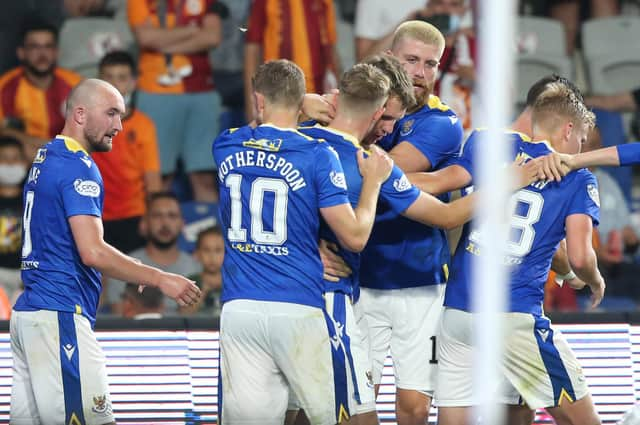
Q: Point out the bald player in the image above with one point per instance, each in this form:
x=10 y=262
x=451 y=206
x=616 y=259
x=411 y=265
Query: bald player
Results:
x=59 y=370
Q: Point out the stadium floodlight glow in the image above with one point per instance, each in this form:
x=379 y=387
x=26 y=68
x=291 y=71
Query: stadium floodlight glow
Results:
x=490 y=280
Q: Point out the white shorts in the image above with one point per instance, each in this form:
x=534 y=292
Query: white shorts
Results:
x=539 y=368
x=59 y=370
x=355 y=377
x=269 y=349
x=404 y=322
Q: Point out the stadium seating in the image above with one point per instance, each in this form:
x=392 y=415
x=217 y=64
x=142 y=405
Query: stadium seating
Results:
x=541 y=51
x=84 y=41
x=612 y=53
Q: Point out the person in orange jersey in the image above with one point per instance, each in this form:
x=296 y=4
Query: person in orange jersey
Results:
x=33 y=95
x=131 y=171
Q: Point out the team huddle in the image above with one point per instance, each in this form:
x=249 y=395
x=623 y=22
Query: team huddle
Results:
x=335 y=251
x=359 y=265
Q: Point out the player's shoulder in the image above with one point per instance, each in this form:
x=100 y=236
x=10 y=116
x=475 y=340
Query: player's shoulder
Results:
x=435 y=115
x=11 y=76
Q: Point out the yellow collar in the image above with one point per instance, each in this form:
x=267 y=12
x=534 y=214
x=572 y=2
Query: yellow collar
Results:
x=72 y=144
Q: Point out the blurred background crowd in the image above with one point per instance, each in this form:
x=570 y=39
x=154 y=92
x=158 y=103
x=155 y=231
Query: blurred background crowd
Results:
x=184 y=68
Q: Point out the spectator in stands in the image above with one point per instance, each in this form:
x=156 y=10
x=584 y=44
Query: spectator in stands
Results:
x=569 y=12
x=377 y=20
x=13 y=170
x=626 y=101
x=304 y=31
x=163 y=223
x=176 y=84
x=148 y=304
x=209 y=252
x=131 y=171
x=33 y=95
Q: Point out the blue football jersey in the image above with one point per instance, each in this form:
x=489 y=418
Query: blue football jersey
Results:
x=538 y=214
x=396 y=195
x=272 y=184
x=63 y=182
x=402 y=253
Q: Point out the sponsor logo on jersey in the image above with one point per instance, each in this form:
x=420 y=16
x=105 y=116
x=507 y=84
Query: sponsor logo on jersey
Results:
x=453 y=119
x=407 y=127
x=251 y=248
x=41 y=155
x=338 y=180
x=402 y=184
x=29 y=265
x=264 y=144
x=592 y=190
x=87 y=188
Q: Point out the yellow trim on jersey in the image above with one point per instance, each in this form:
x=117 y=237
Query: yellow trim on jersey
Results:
x=564 y=395
x=72 y=144
x=346 y=136
x=544 y=142
x=78 y=309
x=523 y=136
x=445 y=270
x=74 y=420
x=295 y=130
x=233 y=130
x=434 y=102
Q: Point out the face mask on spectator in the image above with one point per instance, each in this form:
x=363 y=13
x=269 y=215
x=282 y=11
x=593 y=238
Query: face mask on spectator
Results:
x=12 y=174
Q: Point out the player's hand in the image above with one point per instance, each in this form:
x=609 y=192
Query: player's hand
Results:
x=524 y=174
x=321 y=108
x=554 y=166
x=597 y=292
x=377 y=165
x=333 y=265
x=576 y=283
x=181 y=289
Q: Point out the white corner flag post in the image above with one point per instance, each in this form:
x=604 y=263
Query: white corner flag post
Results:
x=490 y=280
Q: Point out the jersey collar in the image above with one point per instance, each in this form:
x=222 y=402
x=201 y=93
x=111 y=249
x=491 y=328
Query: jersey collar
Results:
x=72 y=144
x=346 y=136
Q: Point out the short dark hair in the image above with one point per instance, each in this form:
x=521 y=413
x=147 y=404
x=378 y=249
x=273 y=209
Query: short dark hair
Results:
x=37 y=24
x=401 y=85
x=541 y=85
x=8 y=141
x=161 y=195
x=281 y=82
x=119 y=57
x=151 y=297
x=212 y=230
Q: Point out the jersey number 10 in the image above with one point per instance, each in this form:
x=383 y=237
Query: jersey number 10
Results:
x=259 y=235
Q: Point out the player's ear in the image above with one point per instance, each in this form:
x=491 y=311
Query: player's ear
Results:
x=258 y=99
x=567 y=130
x=378 y=113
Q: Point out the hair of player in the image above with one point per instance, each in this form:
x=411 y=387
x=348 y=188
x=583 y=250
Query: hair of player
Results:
x=420 y=31
x=363 y=89
x=401 y=86
x=281 y=82
x=119 y=57
x=161 y=195
x=540 y=86
x=10 y=142
x=209 y=231
x=37 y=23
x=150 y=298
x=557 y=103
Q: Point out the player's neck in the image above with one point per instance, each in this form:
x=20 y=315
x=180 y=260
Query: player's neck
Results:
x=76 y=134
x=352 y=126
x=522 y=124
x=281 y=118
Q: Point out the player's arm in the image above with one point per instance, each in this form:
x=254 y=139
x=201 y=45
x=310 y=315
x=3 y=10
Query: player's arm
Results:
x=431 y=211
x=582 y=257
x=560 y=265
x=351 y=226
x=614 y=156
x=207 y=37
x=95 y=252
x=441 y=181
x=252 y=59
x=409 y=158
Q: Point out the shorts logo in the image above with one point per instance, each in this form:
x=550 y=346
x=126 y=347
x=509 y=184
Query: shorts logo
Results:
x=69 y=350
x=74 y=420
x=544 y=334
x=338 y=180
x=402 y=184
x=101 y=404
x=87 y=188
x=592 y=190
x=407 y=127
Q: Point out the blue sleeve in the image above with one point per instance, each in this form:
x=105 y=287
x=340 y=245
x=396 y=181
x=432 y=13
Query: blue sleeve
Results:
x=586 y=199
x=466 y=158
x=437 y=138
x=398 y=191
x=629 y=154
x=331 y=183
x=81 y=189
